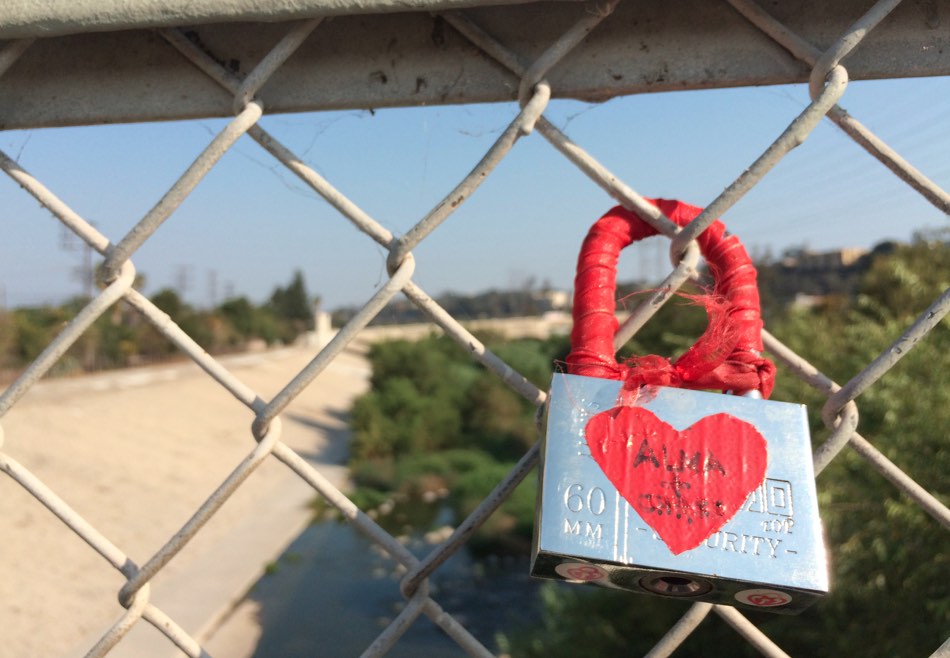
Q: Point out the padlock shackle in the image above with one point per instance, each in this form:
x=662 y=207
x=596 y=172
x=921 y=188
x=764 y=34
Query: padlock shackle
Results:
x=726 y=357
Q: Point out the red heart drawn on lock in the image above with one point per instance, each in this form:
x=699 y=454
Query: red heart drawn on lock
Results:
x=685 y=483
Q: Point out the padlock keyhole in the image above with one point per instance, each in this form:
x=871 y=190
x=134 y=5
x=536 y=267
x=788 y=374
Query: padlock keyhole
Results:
x=675 y=585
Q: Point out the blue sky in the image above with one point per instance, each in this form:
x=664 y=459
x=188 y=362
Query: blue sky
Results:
x=250 y=223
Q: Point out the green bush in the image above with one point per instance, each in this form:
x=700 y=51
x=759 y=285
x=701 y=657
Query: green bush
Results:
x=434 y=419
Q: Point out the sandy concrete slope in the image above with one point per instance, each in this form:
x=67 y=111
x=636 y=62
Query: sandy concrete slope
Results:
x=135 y=453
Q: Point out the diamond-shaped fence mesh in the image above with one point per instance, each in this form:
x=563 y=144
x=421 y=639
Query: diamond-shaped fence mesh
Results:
x=509 y=69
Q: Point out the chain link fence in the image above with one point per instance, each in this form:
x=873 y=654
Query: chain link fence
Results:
x=827 y=83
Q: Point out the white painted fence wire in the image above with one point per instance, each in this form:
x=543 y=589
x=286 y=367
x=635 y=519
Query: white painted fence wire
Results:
x=828 y=84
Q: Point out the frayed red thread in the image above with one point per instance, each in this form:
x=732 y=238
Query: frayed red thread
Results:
x=725 y=357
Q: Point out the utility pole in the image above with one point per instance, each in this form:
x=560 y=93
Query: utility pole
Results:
x=84 y=272
x=183 y=280
x=213 y=288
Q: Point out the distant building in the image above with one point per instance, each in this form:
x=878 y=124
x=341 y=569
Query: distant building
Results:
x=805 y=278
x=557 y=300
x=836 y=259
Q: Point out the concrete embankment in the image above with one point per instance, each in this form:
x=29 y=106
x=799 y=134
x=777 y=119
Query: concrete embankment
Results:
x=135 y=453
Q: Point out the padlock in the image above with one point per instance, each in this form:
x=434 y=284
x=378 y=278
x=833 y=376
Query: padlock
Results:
x=649 y=483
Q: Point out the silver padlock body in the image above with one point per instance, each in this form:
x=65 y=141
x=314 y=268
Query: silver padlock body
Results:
x=769 y=556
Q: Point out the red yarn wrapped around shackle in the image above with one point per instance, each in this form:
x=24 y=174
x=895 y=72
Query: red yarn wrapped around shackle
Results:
x=727 y=355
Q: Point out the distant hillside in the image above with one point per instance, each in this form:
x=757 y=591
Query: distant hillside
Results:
x=799 y=277
x=490 y=304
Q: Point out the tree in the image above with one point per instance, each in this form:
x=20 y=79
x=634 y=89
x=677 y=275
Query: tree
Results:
x=291 y=307
x=196 y=325
x=248 y=321
x=8 y=338
x=35 y=328
x=292 y=303
x=169 y=301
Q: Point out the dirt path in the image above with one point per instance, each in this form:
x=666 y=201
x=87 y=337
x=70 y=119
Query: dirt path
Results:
x=135 y=453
